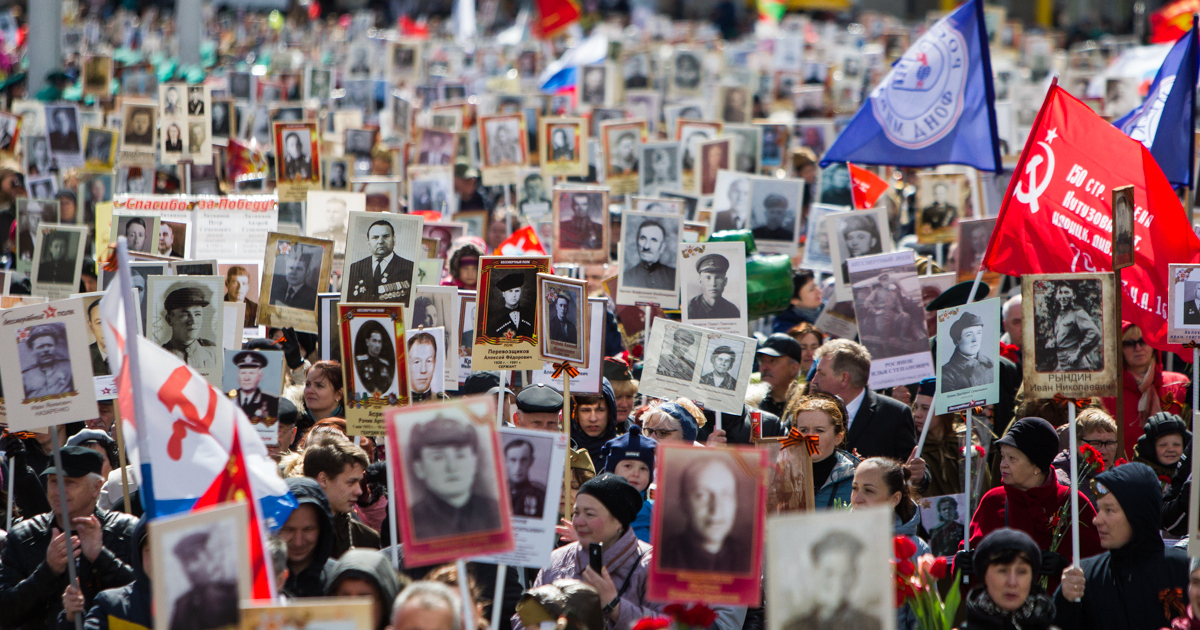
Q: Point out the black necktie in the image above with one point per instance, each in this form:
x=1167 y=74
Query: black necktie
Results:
x=378 y=273
x=290 y=294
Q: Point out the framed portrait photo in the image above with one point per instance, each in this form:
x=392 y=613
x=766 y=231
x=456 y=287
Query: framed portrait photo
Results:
x=58 y=260
x=376 y=369
x=817 y=256
x=49 y=370
x=968 y=364
x=563 y=146
x=186 y=317
x=621 y=140
x=1183 y=316
x=294 y=270
x=311 y=613
x=98 y=75
x=140 y=232
x=209 y=551
x=436 y=147
x=431 y=189
x=100 y=148
x=502 y=145
x=327 y=215
x=1122 y=230
x=891 y=319
x=437 y=307
x=714 y=156
x=775 y=213
x=661 y=168
x=425 y=435
x=648 y=259
x=593 y=85
x=588 y=380
x=564 y=316
x=64 y=134
x=713 y=286
x=687 y=73
x=382 y=250
x=506 y=326
x=941 y=202
x=254 y=380
x=734 y=104
x=662 y=205
x=1069 y=331
x=581 y=225
x=10 y=132
x=298 y=161
x=854 y=235
x=330 y=336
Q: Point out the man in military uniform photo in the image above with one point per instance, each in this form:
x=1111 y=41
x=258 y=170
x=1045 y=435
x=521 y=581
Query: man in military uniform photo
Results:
x=56 y=265
x=835 y=562
x=941 y=213
x=50 y=375
x=648 y=272
x=422 y=366
x=775 y=208
x=503 y=149
x=384 y=276
x=212 y=602
x=581 y=232
x=291 y=288
x=258 y=405
x=966 y=367
x=680 y=362
x=512 y=319
x=710 y=304
x=528 y=496
x=184 y=310
x=375 y=371
x=237 y=286
x=443 y=456
x=944 y=538
x=561 y=326
x=1191 y=308
x=722 y=359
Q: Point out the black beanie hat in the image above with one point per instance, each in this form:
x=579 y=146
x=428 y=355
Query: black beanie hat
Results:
x=622 y=500
x=999 y=541
x=1036 y=439
x=1158 y=425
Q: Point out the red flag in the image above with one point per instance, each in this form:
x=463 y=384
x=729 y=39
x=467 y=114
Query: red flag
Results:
x=233 y=484
x=866 y=187
x=1057 y=218
x=523 y=242
x=1173 y=21
x=553 y=16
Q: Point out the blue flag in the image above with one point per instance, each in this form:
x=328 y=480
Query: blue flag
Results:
x=936 y=105
x=1165 y=120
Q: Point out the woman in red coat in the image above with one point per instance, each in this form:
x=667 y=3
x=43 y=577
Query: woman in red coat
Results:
x=1148 y=388
x=1031 y=496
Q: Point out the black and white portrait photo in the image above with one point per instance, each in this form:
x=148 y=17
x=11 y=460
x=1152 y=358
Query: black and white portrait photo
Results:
x=563 y=317
x=635 y=70
x=734 y=104
x=581 y=225
x=731 y=201
x=138 y=124
x=854 y=235
x=592 y=84
x=943 y=517
x=887 y=305
x=37 y=157
x=835 y=185
x=514 y=298
x=380 y=249
x=713 y=286
x=503 y=141
x=649 y=251
x=621 y=142
x=940 y=203
x=436 y=147
x=687 y=72
x=678 y=358
x=775 y=213
x=221 y=119
x=973 y=238
x=563 y=145
x=527 y=466
x=747 y=147
x=207 y=549
x=707 y=519
x=240 y=85
x=817 y=254
x=968 y=366
x=58 y=254
x=10 y=132
x=296 y=277
x=62 y=127
x=359 y=142
x=722 y=365
x=187 y=319
x=296 y=148
x=254 y=379
x=662 y=168
x=1069 y=326
x=432 y=189
x=100 y=147
x=31 y=214
x=424 y=355
x=375 y=361
x=336 y=175
x=45 y=361
x=327 y=215
x=1183 y=297
x=645 y=105
x=42 y=187
x=1122 y=230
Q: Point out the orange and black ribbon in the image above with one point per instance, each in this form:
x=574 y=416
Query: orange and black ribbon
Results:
x=565 y=366
x=795 y=437
x=1079 y=403
x=1191 y=345
x=1172 y=601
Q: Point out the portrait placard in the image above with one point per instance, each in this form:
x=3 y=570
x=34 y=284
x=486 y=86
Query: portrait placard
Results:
x=968 y=362
x=435 y=147
x=58 y=260
x=102 y=375
x=734 y=104
x=854 y=235
x=662 y=168
x=310 y=613
x=232 y=331
x=648 y=259
x=295 y=269
x=731 y=201
x=941 y=204
x=593 y=85
x=690 y=134
x=806 y=553
x=298 y=161
x=562 y=319
x=330 y=335
x=746 y=147
x=426 y=352
x=714 y=156
x=194 y=267
x=381 y=251
x=581 y=225
x=327 y=215
x=775 y=213
x=100 y=148
x=466 y=333
x=687 y=72
x=891 y=320
x=502 y=145
x=621 y=139
x=444 y=234
x=834 y=183
x=138 y=124
x=254 y=381
x=588 y=380
x=789 y=476
x=945 y=518
x=50 y=344
x=431 y=189
x=375 y=371
x=707 y=524
x=1069 y=342
x=64 y=134
x=241 y=285
x=186 y=316
x=533 y=462
x=209 y=550
x=140 y=232
x=973 y=238
x=774 y=145
x=1122 y=230
x=817 y=256
x=563 y=146
x=712 y=285
x=424 y=437
x=437 y=306
x=10 y=132
x=698 y=363
x=506 y=322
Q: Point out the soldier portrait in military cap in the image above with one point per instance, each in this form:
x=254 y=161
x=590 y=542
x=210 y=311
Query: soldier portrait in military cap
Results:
x=775 y=213
x=713 y=285
x=507 y=313
x=380 y=251
x=374 y=359
x=253 y=379
x=187 y=319
x=207 y=552
x=581 y=225
x=968 y=342
x=513 y=314
x=45 y=361
x=678 y=359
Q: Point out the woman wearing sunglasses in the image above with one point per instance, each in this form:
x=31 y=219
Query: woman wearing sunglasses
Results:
x=1148 y=388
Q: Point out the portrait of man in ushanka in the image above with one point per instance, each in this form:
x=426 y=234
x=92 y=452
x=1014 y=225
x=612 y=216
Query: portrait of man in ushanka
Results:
x=968 y=366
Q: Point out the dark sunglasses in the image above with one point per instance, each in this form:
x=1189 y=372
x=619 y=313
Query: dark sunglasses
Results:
x=1133 y=343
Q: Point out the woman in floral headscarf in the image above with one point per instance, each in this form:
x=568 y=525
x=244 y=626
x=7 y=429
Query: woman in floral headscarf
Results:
x=1148 y=388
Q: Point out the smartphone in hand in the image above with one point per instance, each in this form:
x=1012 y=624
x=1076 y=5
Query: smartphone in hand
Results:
x=596 y=557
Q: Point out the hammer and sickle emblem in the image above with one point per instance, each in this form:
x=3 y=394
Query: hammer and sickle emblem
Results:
x=1036 y=186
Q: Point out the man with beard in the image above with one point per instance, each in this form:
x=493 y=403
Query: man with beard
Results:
x=966 y=367
x=384 y=276
x=708 y=493
x=581 y=232
x=648 y=272
x=237 y=286
x=422 y=366
x=710 y=304
x=184 y=308
x=260 y=407
x=512 y=319
x=443 y=457
x=50 y=375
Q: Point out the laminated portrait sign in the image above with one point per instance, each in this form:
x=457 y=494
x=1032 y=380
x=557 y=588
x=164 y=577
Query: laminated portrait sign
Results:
x=698 y=363
x=533 y=463
x=140 y=232
x=241 y=286
x=712 y=283
x=102 y=376
x=506 y=324
x=438 y=307
x=581 y=225
x=1069 y=344
x=661 y=168
x=294 y=270
x=730 y=202
x=327 y=215
x=775 y=214
x=381 y=252
x=711 y=156
x=806 y=553
x=330 y=331
x=425 y=354
x=100 y=148
x=588 y=380
x=562 y=319
x=449 y=463
x=973 y=238
x=209 y=551
x=563 y=147
x=1183 y=299
x=648 y=259
x=817 y=255
x=374 y=368
x=50 y=380
x=431 y=189
x=503 y=148
x=254 y=381
x=734 y=104
x=945 y=518
x=298 y=161
x=186 y=316
x=310 y=613
x=708 y=525
x=854 y=235
x=58 y=260
x=968 y=356
x=747 y=145
x=65 y=134
x=891 y=319
x=621 y=139
x=941 y=204
x=1122 y=230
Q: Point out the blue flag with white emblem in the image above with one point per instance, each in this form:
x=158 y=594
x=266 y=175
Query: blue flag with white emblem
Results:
x=1165 y=120
x=936 y=105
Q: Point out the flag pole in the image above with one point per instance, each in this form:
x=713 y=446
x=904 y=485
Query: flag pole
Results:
x=1194 y=492
x=120 y=431
x=132 y=308
x=967 y=452
x=12 y=470
x=65 y=516
x=925 y=427
x=501 y=568
x=464 y=592
x=1074 y=438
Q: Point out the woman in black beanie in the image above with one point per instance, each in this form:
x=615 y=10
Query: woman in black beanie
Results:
x=1007 y=562
x=604 y=510
x=1031 y=495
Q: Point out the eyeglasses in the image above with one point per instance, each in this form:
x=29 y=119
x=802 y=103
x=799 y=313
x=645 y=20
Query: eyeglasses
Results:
x=1101 y=443
x=658 y=433
x=1133 y=343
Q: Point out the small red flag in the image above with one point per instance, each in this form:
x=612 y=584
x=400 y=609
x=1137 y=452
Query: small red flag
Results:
x=523 y=242
x=553 y=16
x=865 y=187
x=1057 y=215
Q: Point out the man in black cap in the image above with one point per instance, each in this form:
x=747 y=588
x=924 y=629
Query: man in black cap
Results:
x=680 y=362
x=184 y=308
x=710 y=304
x=648 y=271
x=561 y=326
x=779 y=359
x=967 y=367
x=539 y=407
x=723 y=359
x=775 y=207
x=33 y=562
x=212 y=602
x=528 y=496
x=258 y=405
x=444 y=461
x=513 y=319
x=384 y=276
x=50 y=375
x=291 y=288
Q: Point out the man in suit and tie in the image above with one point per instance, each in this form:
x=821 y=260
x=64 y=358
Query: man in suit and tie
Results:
x=879 y=426
x=259 y=406
x=1191 y=308
x=722 y=360
x=96 y=349
x=291 y=289
x=384 y=276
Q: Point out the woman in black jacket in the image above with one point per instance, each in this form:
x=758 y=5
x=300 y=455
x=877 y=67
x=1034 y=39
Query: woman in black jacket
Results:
x=1007 y=561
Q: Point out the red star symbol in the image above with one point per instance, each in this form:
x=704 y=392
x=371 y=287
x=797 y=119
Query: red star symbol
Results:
x=50 y=311
x=509 y=335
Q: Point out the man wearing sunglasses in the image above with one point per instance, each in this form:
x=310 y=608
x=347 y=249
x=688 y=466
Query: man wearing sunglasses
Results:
x=1139 y=583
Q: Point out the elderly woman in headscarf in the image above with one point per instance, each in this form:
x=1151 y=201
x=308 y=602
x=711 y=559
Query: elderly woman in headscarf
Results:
x=1148 y=389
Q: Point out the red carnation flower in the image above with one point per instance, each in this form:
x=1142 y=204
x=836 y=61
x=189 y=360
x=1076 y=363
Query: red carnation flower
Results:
x=653 y=623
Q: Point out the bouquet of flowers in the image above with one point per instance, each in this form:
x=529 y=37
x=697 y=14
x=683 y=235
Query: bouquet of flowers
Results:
x=916 y=585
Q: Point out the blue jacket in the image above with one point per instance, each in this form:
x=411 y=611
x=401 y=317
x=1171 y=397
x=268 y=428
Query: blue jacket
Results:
x=641 y=524
x=837 y=487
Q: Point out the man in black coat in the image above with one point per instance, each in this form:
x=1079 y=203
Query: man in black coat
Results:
x=291 y=288
x=879 y=425
x=33 y=564
x=384 y=276
x=1139 y=583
